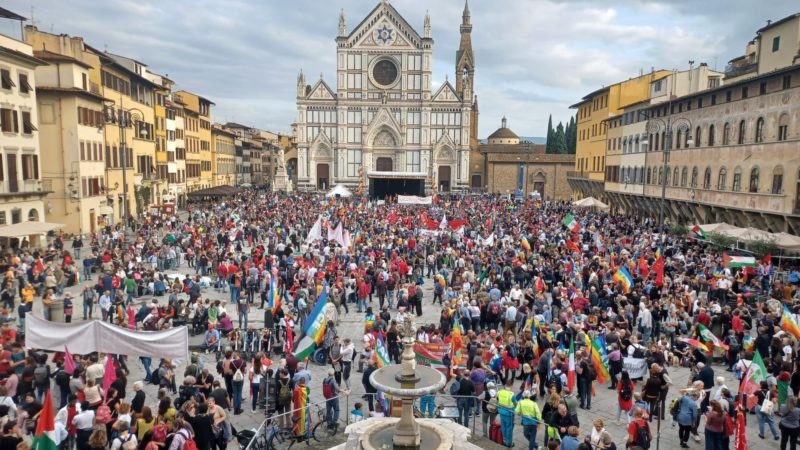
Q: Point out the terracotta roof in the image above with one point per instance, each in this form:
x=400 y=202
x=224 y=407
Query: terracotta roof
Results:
x=776 y=23
x=503 y=133
x=512 y=148
x=72 y=90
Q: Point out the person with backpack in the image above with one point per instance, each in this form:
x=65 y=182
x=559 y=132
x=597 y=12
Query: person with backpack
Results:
x=41 y=378
x=715 y=426
x=625 y=388
x=283 y=398
x=506 y=404
x=685 y=413
x=639 y=434
x=125 y=440
x=239 y=369
x=586 y=375
x=331 y=392
x=183 y=438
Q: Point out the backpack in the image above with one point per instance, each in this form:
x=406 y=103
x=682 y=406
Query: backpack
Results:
x=512 y=351
x=127 y=444
x=103 y=414
x=155 y=377
x=327 y=389
x=675 y=406
x=284 y=393
x=40 y=374
x=642 y=438
x=455 y=387
x=626 y=393
x=591 y=372
x=639 y=352
x=494 y=309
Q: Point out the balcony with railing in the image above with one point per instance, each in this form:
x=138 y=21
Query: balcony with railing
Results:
x=15 y=187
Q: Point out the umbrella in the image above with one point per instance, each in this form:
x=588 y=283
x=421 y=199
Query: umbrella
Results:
x=749 y=234
x=786 y=240
x=716 y=227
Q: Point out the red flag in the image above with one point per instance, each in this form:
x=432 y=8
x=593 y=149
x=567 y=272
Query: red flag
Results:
x=289 y=339
x=658 y=267
x=740 y=435
x=768 y=259
x=393 y=217
x=456 y=224
x=110 y=374
x=69 y=362
x=644 y=270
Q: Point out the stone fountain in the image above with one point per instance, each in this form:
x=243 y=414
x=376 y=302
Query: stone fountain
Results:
x=407 y=382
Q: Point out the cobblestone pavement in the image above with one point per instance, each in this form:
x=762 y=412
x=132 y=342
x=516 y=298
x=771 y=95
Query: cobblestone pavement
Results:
x=604 y=404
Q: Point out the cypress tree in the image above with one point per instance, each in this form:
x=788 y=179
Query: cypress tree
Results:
x=572 y=135
x=549 y=143
x=559 y=138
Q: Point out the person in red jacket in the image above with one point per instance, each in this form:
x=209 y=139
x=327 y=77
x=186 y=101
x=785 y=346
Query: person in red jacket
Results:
x=362 y=293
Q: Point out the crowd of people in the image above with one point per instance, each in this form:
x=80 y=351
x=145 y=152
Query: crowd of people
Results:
x=517 y=288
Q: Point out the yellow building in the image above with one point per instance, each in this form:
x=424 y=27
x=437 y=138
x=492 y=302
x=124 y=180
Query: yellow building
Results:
x=161 y=95
x=197 y=124
x=223 y=163
x=593 y=110
x=71 y=131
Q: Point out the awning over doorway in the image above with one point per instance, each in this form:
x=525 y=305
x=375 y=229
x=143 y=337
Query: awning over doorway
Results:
x=397 y=175
x=28 y=229
x=219 y=191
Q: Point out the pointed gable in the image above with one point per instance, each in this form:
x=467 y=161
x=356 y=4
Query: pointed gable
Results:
x=384 y=14
x=446 y=93
x=321 y=91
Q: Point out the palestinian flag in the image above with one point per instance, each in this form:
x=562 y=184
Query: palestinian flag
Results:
x=571 y=223
x=708 y=336
x=699 y=231
x=738 y=260
x=45 y=437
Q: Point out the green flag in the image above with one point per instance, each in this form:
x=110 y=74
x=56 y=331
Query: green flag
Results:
x=755 y=374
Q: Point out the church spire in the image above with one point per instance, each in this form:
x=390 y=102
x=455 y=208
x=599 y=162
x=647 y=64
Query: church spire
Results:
x=465 y=60
x=342 y=25
x=301 y=84
x=427 y=25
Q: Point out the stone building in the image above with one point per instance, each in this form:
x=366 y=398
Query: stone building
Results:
x=510 y=166
x=380 y=118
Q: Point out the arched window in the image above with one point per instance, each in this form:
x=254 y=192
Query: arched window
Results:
x=697 y=136
x=742 y=131
x=655 y=144
x=648 y=175
x=624 y=145
x=667 y=178
x=737 y=179
x=679 y=140
x=684 y=175
x=663 y=140
x=711 y=135
x=721 y=179
x=636 y=175
x=33 y=215
x=726 y=132
x=754 y=179
x=675 y=177
x=660 y=176
x=760 y=130
x=777 y=180
x=694 y=177
x=707 y=178
x=637 y=149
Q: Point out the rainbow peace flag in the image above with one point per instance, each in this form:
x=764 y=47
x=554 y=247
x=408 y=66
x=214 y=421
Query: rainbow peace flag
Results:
x=314 y=330
x=623 y=277
x=788 y=324
x=369 y=321
x=380 y=355
x=597 y=353
x=300 y=400
x=274 y=295
x=440 y=279
x=748 y=343
x=456 y=342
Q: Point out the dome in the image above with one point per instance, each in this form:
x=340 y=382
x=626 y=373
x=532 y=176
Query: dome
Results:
x=503 y=135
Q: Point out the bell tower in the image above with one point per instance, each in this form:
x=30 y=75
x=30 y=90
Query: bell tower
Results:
x=465 y=60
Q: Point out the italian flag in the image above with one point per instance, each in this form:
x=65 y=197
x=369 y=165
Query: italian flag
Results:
x=45 y=437
x=571 y=223
x=699 y=231
x=571 y=370
x=738 y=260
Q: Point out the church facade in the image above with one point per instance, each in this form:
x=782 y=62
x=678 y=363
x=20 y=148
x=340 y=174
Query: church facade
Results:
x=380 y=118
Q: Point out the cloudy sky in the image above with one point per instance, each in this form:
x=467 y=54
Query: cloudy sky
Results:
x=534 y=57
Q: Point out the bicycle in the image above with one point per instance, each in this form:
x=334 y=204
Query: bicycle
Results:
x=285 y=439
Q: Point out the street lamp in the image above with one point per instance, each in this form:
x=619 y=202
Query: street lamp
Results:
x=123 y=118
x=655 y=126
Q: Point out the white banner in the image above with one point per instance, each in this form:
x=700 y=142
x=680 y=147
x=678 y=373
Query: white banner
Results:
x=97 y=336
x=636 y=367
x=414 y=200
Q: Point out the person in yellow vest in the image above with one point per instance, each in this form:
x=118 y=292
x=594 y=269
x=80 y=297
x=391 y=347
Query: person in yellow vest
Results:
x=505 y=402
x=530 y=417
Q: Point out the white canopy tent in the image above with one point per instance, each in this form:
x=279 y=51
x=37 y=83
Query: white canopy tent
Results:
x=27 y=229
x=591 y=202
x=339 y=190
x=716 y=227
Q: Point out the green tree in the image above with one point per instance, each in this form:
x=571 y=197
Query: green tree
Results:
x=559 y=140
x=549 y=144
x=572 y=136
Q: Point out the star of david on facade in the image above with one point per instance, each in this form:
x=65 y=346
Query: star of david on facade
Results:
x=384 y=34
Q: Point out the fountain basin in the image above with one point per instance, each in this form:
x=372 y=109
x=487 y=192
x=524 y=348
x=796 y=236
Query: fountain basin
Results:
x=387 y=379
x=379 y=437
